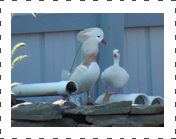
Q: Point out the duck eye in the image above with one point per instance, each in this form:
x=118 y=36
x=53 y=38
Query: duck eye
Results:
x=98 y=36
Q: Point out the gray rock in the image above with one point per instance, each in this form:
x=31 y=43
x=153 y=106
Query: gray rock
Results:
x=68 y=105
x=145 y=120
x=86 y=125
x=127 y=120
x=65 y=122
x=123 y=107
x=19 y=123
x=147 y=109
x=36 y=111
x=65 y=104
x=107 y=120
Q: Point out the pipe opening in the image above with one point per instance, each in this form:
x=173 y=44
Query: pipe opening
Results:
x=157 y=101
x=71 y=87
x=139 y=100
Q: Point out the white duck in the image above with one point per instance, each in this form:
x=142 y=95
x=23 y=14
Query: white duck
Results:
x=114 y=76
x=87 y=73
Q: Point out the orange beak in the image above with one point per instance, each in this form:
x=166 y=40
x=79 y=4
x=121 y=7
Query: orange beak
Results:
x=103 y=41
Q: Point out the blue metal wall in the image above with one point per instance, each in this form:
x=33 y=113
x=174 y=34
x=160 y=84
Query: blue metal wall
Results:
x=52 y=45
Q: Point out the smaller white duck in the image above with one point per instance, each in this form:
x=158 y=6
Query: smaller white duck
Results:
x=114 y=76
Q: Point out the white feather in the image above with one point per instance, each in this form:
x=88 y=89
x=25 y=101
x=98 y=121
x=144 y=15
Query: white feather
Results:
x=90 y=39
x=85 y=77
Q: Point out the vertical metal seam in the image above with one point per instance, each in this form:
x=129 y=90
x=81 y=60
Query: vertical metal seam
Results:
x=138 y=65
x=43 y=61
x=148 y=62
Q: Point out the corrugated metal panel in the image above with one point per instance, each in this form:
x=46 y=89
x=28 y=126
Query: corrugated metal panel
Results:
x=53 y=22
x=144 y=60
x=29 y=69
x=48 y=53
x=157 y=56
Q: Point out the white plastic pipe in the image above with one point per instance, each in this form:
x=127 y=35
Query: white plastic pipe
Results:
x=63 y=88
x=156 y=100
x=136 y=98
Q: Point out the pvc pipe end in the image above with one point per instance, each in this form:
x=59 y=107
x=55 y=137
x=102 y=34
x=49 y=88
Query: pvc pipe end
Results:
x=156 y=100
x=71 y=87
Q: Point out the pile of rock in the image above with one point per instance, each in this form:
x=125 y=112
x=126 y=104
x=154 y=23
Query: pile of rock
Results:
x=67 y=114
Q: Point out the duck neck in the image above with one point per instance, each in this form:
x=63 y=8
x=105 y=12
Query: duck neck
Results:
x=90 y=47
x=116 y=61
x=88 y=59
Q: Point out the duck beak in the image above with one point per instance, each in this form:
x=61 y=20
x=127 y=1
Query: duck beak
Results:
x=103 y=41
x=114 y=56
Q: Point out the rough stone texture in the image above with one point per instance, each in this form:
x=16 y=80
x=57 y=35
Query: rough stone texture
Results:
x=145 y=120
x=127 y=120
x=65 y=122
x=65 y=104
x=67 y=114
x=107 y=120
x=147 y=109
x=86 y=125
x=123 y=107
x=68 y=105
x=36 y=111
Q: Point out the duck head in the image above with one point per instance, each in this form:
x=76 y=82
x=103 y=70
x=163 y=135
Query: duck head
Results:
x=91 y=38
x=116 y=55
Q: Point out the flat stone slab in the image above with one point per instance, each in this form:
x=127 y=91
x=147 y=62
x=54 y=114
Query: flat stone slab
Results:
x=64 y=122
x=36 y=111
x=65 y=104
x=147 y=109
x=145 y=120
x=68 y=105
x=107 y=120
x=127 y=120
x=123 y=107
x=86 y=125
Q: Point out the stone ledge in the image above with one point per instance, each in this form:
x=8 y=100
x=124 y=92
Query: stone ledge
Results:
x=147 y=109
x=127 y=120
x=36 y=111
x=64 y=122
x=123 y=107
x=65 y=114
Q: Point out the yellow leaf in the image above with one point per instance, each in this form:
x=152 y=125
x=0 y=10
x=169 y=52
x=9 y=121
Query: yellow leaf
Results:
x=14 y=84
x=16 y=60
x=17 y=46
x=34 y=14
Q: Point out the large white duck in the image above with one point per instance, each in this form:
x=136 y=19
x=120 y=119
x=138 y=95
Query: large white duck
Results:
x=87 y=73
x=114 y=76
